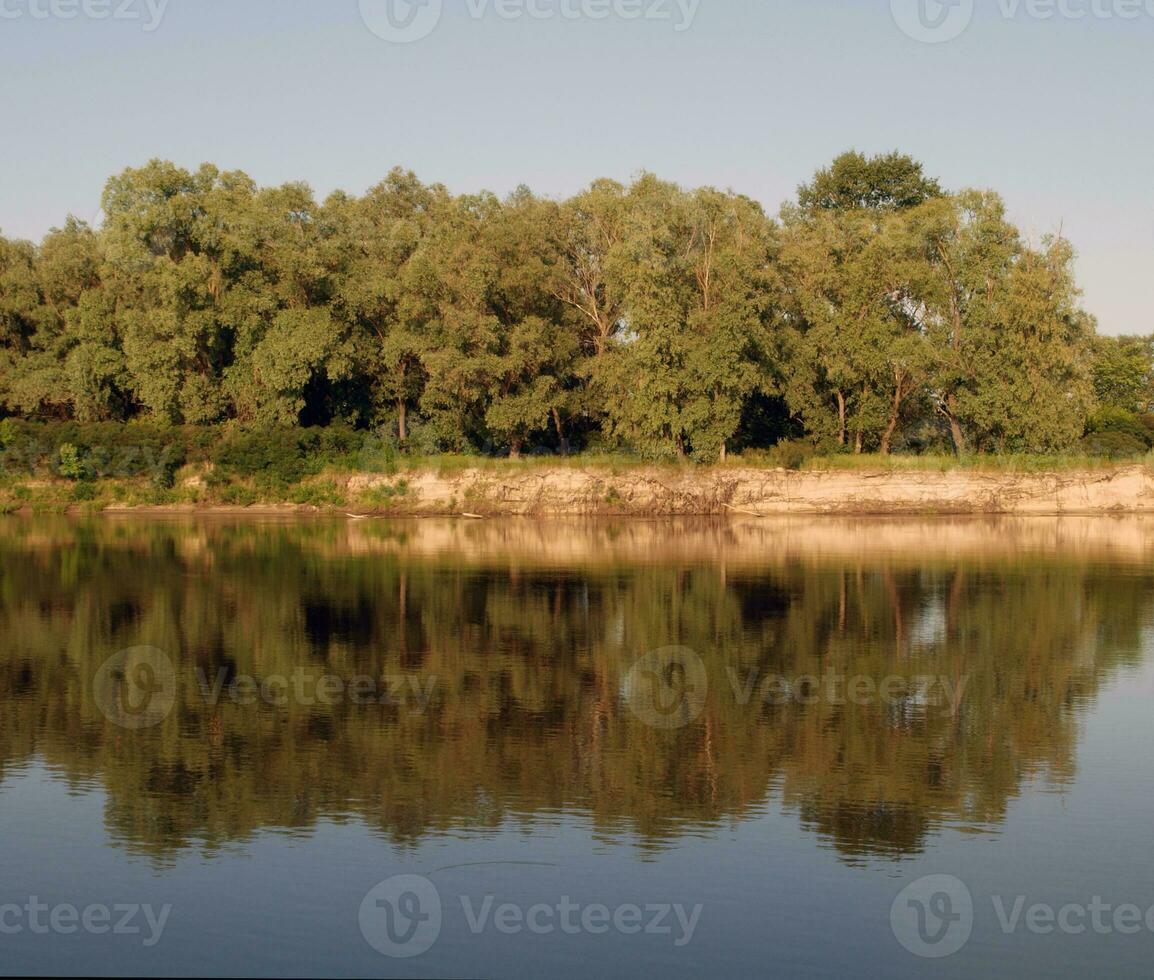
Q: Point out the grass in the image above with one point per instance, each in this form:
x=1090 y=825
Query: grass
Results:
x=1009 y=463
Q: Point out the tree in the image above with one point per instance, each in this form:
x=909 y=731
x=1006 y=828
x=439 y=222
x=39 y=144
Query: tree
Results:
x=879 y=313
x=1124 y=373
x=379 y=294
x=858 y=356
x=889 y=182
x=1011 y=345
x=698 y=313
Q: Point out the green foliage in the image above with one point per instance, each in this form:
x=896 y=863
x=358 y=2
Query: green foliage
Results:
x=84 y=492
x=789 y=454
x=71 y=464
x=318 y=495
x=1124 y=373
x=99 y=450
x=891 y=181
x=236 y=495
x=1112 y=419
x=385 y=495
x=258 y=329
x=1113 y=444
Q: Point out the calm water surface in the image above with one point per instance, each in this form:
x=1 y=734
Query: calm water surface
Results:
x=614 y=748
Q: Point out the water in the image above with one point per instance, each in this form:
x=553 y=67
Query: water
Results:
x=608 y=748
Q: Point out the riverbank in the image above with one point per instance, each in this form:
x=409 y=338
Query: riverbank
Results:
x=598 y=491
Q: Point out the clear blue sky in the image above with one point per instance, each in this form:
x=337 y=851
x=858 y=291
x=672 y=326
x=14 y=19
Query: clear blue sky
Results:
x=1055 y=114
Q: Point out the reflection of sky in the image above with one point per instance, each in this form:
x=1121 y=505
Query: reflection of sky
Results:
x=932 y=624
x=776 y=899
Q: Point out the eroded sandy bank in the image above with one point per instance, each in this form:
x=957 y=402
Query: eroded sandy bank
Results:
x=574 y=491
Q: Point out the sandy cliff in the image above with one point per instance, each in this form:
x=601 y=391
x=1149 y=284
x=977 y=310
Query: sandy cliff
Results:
x=702 y=492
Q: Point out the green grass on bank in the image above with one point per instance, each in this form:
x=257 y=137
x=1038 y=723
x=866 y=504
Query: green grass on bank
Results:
x=1008 y=463
x=94 y=466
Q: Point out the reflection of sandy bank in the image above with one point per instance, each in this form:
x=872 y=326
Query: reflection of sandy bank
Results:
x=582 y=542
x=752 y=541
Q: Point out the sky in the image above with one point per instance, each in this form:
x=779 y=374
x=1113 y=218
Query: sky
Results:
x=1048 y=102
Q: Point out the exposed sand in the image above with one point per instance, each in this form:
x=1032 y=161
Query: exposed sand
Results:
x=708 y=492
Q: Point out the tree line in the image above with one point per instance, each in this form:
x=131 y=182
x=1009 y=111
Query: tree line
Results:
x=875 y=313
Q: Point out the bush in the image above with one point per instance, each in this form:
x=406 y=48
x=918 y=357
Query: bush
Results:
x=318 y=495
x=84 y=492
x=280 y=458
x=1121 y=421
x=71 y=464
x=239 y=496
x=791 y=454
x=385 y=495
x=102 y=449
x=1113 y=445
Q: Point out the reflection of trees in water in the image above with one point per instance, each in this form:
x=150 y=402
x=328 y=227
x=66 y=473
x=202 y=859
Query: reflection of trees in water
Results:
x=529 y=661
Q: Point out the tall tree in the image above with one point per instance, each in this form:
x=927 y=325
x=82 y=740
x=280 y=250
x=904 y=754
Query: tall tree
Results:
x=887 y=182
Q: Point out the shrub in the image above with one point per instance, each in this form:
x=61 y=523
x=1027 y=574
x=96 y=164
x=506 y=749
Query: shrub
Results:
x=279 y=458
x=239 y=496
x=106 y=449
x=1113 y=445
x=317 y=495
x=1121 y=421
x=791 y=454
x=71 y=464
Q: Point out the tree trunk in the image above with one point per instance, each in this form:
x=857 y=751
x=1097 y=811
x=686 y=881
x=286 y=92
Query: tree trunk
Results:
x=955 y=426
x=889 y=434
x=564 y=443
x=840 y=418
x=515 y=448
x=402 y=421
x=724 y=452
x=857 y=444
x=895 y=416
